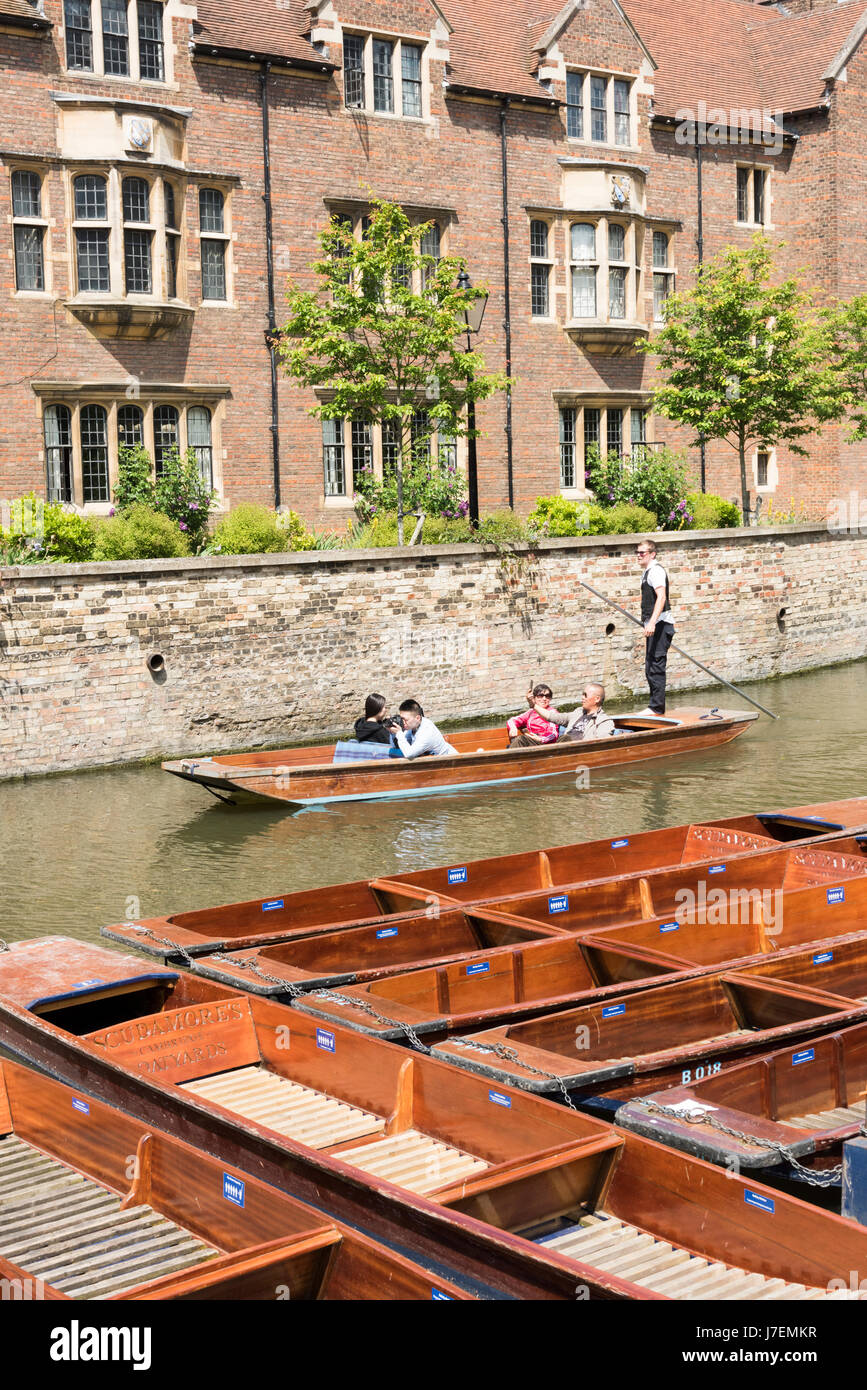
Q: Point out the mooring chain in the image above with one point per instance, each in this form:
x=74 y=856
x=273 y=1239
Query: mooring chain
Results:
x=176 y=947
x=508 y=1054
x=823 y=1178
x=255 y=969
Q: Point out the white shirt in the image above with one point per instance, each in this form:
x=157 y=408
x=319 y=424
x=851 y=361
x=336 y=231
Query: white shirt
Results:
x=656 y=577
x=426 y=739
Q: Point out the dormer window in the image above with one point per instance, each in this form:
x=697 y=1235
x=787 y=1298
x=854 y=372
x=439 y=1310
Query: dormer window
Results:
x=598 y=108
x=125 y=39
x=383 y=76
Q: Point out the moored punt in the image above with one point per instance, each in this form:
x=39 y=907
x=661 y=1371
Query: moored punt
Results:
x=516 y=1200
x=284 y=915
x=97 y=1205
x=309 y=776
x=650 y=1038
x=797 y=1103
x=349 y=955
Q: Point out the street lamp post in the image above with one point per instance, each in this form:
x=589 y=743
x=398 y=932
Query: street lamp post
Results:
x=474 y=312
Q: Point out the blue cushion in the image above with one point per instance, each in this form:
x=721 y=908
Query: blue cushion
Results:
x=348 y=751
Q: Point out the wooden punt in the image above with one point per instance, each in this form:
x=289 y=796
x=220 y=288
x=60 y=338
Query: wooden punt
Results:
x=353 y=954
x=97 y=1205
x=284 y=915
x=503 y=1203
x=308 y=776
x=650 y=1038
x=822 y=896
x=796 y=1102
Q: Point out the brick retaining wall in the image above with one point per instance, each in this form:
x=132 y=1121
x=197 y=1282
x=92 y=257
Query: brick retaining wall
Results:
x=280 y=649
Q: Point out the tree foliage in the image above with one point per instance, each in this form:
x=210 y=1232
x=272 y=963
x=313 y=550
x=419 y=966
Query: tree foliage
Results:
x=383 y=336
x=747 y=360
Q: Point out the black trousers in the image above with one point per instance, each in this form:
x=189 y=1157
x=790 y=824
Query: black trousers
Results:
x=654 y=664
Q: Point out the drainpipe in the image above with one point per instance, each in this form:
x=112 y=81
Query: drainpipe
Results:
x=700 y=250
x=270 y=338
x=507 y=295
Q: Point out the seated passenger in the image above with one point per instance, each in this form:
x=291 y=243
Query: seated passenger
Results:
x=541 y=722
x=590 y=720
x=374 y=725
x=419 y=735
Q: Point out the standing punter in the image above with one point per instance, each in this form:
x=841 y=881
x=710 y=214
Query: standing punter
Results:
x=658 y=624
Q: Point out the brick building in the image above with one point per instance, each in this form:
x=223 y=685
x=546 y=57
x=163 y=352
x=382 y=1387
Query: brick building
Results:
x=166 y=166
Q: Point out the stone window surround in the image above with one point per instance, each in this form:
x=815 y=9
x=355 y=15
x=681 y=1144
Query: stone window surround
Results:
x=669 y=269
x=549 y=262
x=344 y=501
x=625 y=401
x=610 y=77
x=171 y=9
x=766 y=489
x=767 y=170
x=43 y=221
x=396 y=39
x=112 y=396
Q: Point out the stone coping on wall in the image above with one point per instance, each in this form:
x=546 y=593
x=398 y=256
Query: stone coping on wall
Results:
x=205 y=564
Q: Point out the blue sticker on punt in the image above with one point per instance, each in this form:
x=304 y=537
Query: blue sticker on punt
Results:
x=807 y=1055
x=757 y=1199
x=273 y=905
x=717 y=869
x=481 y=968
x=324 y=1040
x=86 y=984
x=457 y=875
x=823 y=957
x=614 y=1010
x=558 y=904
x=499 y=1099
x=670 y=926
x=836 y=895
x=436 y=1295
x=386 y=932
x=233 y=1190
x=80 y=1105
x=619 y=844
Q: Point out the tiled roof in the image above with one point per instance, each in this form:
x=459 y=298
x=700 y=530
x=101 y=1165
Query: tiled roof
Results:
x=491 y=49
x=261 y=28
x=729 y=53
x=24 y=13
x=734 y=53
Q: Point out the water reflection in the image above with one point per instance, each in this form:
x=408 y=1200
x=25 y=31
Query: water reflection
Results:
x=76 y=848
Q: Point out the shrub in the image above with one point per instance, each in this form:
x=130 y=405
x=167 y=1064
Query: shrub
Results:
x=440 y=530
x=710 y=512
x=180 y=492
x=558 y=516
x=249 y=530
x=296 y=533
x=139 y=534
x=502 y=526
x=135 y=480
x=653 y=478
x=628 y=520
x=429 y=486
x=381 y=530
x=45 y=533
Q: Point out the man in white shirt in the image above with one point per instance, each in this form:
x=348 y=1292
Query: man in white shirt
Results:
x=420 y=735
x=658 y=623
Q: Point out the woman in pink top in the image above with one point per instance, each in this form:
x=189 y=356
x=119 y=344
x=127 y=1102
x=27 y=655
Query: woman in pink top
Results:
x=539 y=724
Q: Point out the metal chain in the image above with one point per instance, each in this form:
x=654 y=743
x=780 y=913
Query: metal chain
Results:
x=176 y=948
x=822 y=1178
x=254 y=968
x=508 y=1054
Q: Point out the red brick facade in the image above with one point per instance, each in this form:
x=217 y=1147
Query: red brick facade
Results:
x=483 y=79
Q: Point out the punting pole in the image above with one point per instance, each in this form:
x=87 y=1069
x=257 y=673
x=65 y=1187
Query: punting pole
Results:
x=716 y=676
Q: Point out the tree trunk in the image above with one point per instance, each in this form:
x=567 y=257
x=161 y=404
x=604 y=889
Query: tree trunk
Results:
x=745 y=495
x=400 y=499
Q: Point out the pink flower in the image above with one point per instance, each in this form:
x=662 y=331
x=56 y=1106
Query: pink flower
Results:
x=183 y=525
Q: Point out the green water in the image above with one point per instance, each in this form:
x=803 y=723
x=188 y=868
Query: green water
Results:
x=75 y=850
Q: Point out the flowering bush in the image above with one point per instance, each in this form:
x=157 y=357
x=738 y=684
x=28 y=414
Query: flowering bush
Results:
x=180 y=492
x=654 y=478
x=429 y=486
x=139 y=533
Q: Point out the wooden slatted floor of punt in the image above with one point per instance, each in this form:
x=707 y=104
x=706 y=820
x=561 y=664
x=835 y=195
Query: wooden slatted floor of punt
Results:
x=827 y=1119
x=70 y=1232
x=410 y=1158
x=618 y=1248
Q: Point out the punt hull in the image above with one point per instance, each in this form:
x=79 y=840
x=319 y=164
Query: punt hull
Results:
x=482 y=766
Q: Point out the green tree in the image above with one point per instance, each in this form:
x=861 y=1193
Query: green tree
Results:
x=847 y=324
x=747 y=360
x=381 y=336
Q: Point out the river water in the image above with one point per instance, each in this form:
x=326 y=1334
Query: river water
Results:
x=83 y=850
